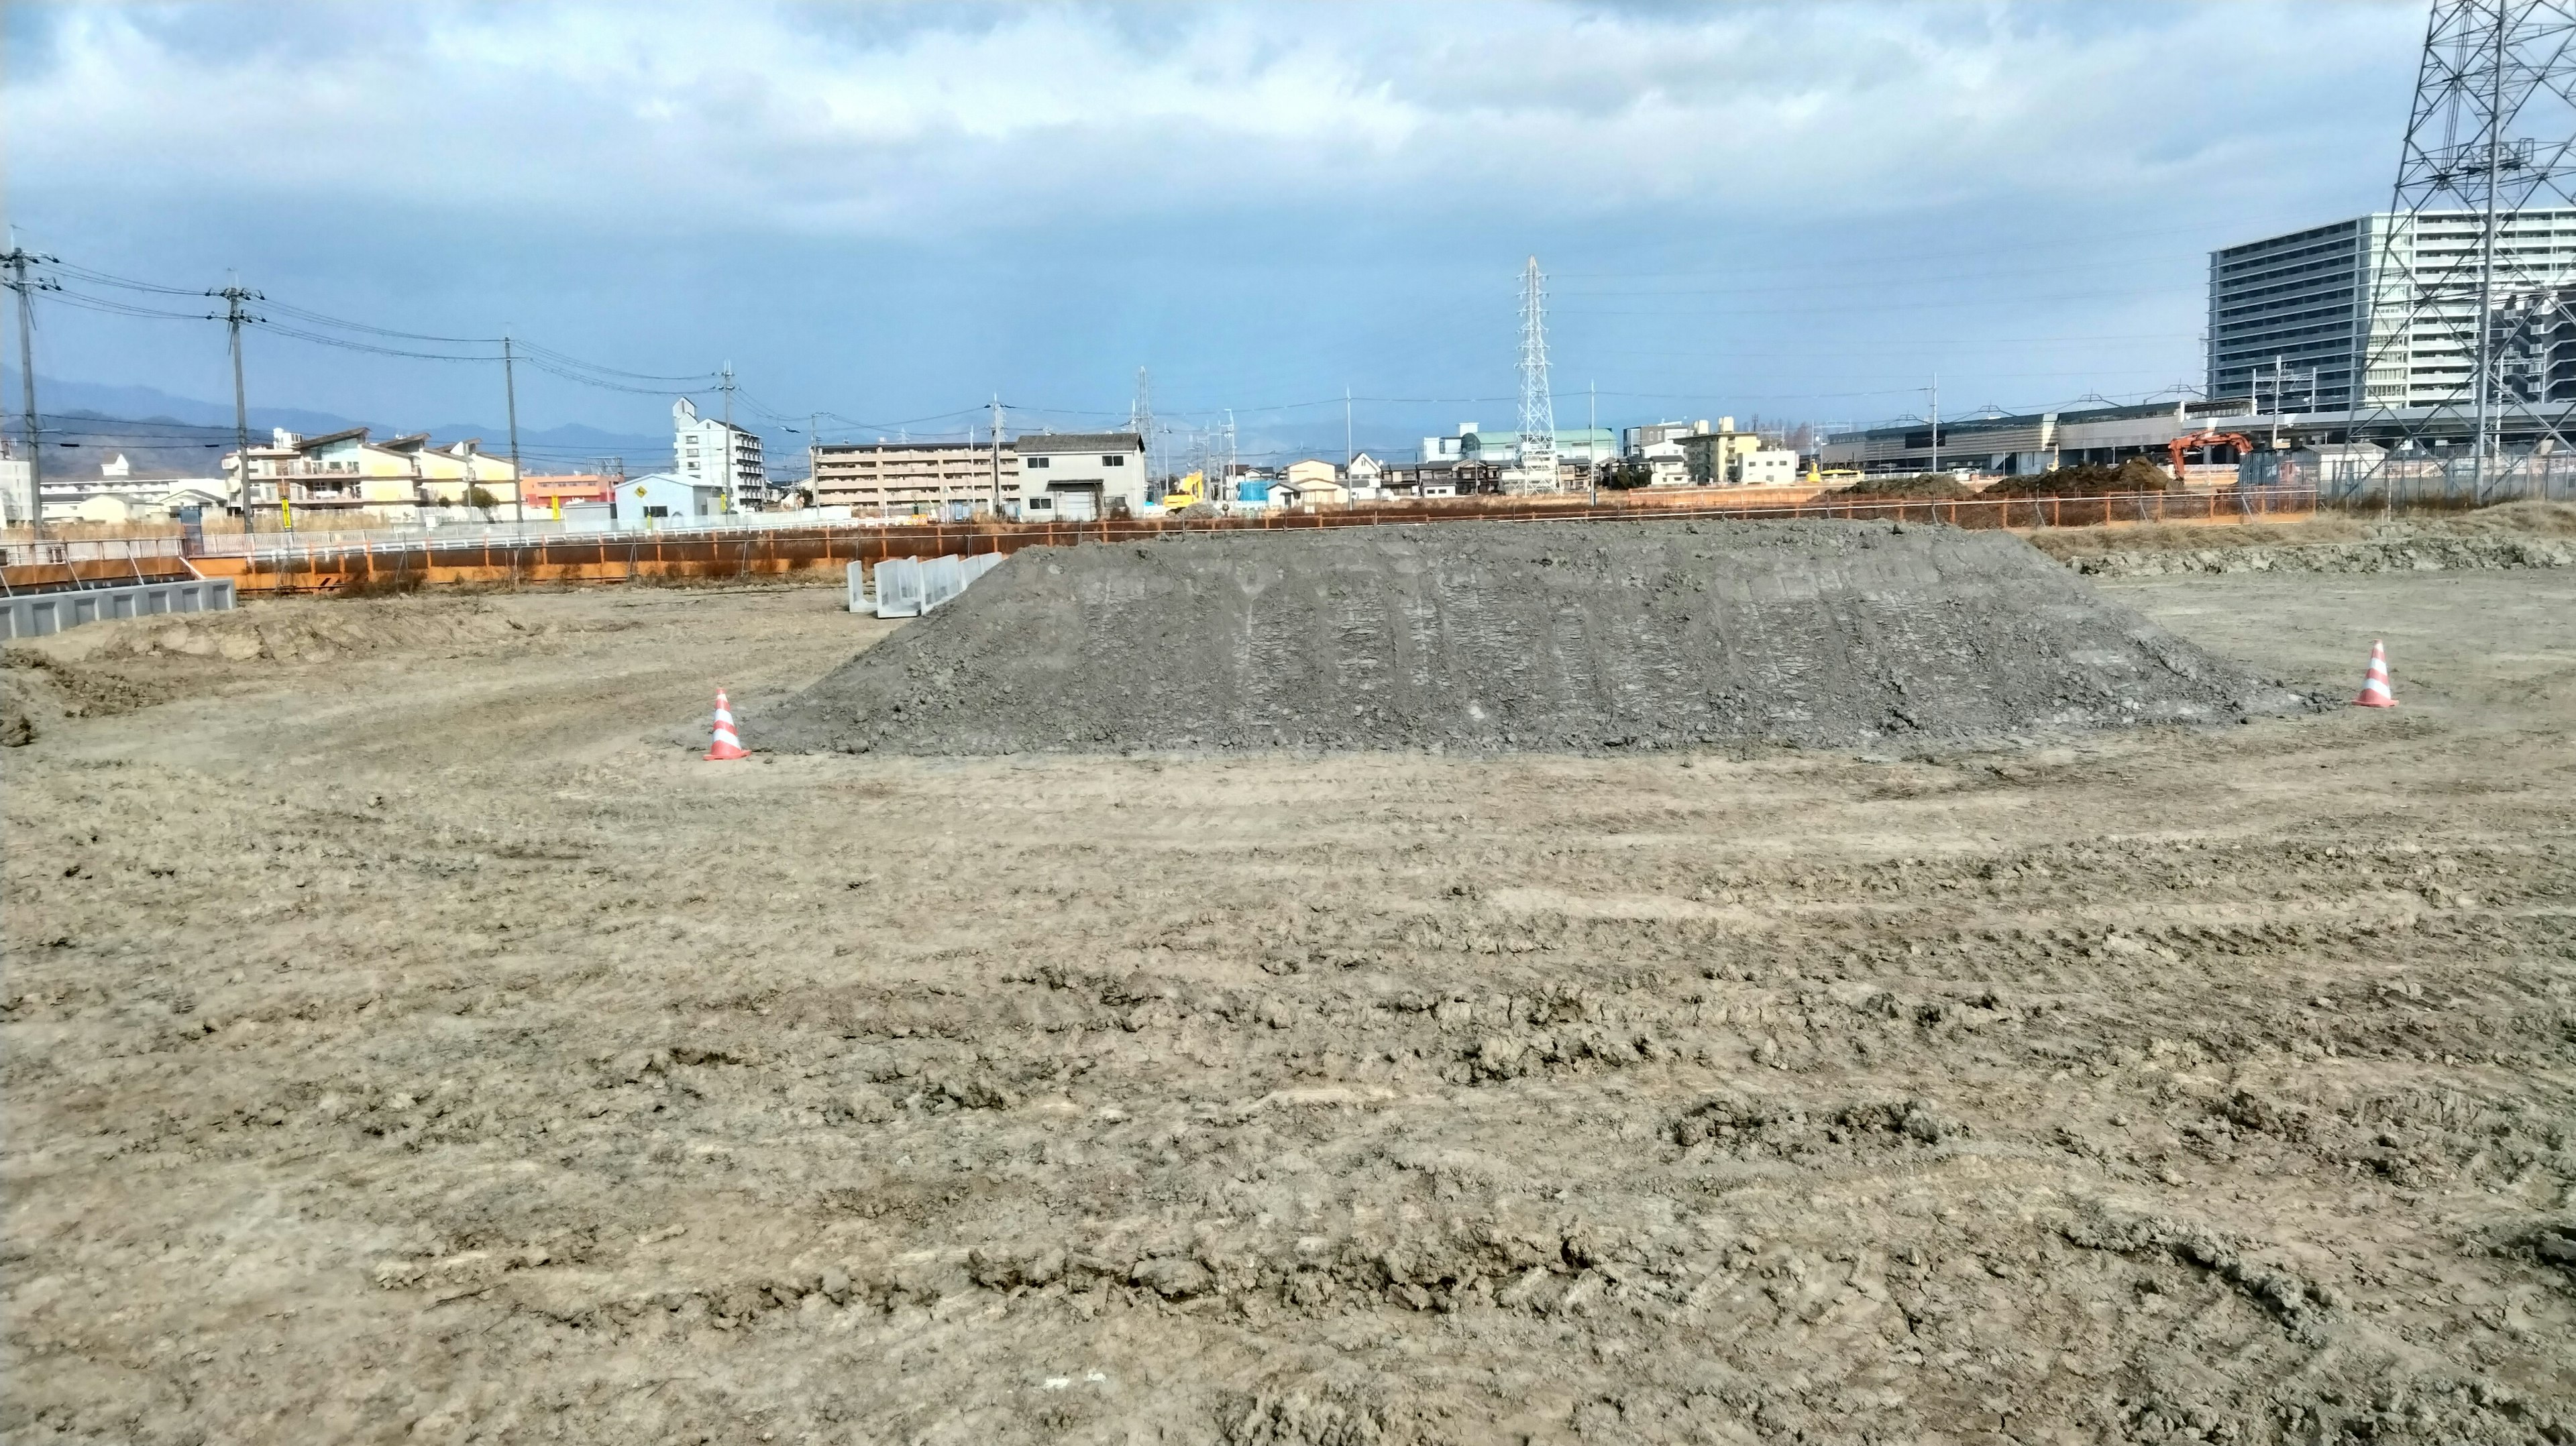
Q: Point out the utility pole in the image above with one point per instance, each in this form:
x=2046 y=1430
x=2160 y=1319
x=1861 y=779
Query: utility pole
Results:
x=732 y=464
x=997 y=457
x=234 y=295
x=18 y=259
x=1350 y=448
x=1592 y=437
x=2276 y=401
x=1936 y=421
x=518 y=482
x=814 y=453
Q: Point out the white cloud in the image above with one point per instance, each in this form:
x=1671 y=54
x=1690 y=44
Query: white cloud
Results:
x=872 y=122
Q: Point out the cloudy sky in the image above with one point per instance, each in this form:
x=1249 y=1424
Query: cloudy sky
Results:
x=893 y=213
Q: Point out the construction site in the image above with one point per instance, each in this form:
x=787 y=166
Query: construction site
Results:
x=1320 y=987
x=1031 y=945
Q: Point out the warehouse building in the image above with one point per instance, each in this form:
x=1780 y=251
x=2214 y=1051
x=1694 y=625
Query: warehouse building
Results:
x=2033 y=442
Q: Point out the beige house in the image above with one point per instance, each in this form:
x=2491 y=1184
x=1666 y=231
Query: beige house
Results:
x=1311 y=484
x=348 y=479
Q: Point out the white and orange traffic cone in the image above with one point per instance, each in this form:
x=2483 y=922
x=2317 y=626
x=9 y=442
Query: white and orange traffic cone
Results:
x=2374 y=688
x=726 y=745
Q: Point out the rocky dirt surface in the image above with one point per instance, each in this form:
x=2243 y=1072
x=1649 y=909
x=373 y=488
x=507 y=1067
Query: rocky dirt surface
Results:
x=1491 y=636
x=2519 y=534
x=409 y=1048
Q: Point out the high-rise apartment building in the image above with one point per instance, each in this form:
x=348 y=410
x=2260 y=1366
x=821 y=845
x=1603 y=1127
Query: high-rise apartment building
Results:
x=712 y=452
x=2293 y=318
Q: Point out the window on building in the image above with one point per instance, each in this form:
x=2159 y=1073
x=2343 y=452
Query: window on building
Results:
x=657 y=511
x=1113 y=461
x=1035 y=461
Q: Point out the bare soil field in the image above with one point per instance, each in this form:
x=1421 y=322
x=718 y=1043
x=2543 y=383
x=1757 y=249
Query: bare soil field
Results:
x=408 y=1039
x=2514 y=535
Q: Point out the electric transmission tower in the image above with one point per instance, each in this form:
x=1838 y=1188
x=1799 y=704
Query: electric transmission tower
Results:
x=2467 y=320
x=1140 y=420
x=1538 y=409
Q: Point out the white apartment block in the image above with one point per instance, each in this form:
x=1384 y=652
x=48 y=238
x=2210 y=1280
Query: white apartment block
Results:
x=709 y=451
x=2293 y=318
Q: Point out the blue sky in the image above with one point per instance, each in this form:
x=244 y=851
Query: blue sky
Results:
x=893 y=213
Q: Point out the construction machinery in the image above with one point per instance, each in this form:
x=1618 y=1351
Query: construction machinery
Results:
x=1187 y=492
x=2181 y=445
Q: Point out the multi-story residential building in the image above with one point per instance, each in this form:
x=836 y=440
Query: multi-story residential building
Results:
x=18 y=502
x=355 y=481
x=2294 y=318
x=1659 y=446
x=714 y=451
x=2533 y=340
x=1715 y=457
x=905 y=479
x=1078 y=476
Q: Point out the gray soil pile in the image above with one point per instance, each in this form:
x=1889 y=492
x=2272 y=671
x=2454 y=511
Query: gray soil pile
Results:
x=1517 y=636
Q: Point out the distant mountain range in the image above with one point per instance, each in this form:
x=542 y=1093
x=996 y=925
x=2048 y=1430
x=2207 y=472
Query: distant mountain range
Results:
x=164 y=435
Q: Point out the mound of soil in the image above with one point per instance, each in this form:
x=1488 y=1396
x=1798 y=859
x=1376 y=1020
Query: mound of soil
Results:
x=286 y=630
x=1564 y=636
x=2089 y=480
x=1936 y=486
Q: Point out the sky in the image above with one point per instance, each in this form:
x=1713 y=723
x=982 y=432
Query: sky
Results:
x=894 y=214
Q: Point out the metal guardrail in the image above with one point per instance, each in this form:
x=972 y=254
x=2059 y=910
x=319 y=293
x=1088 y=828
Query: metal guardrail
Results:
x=307 y=541
x=88 y=549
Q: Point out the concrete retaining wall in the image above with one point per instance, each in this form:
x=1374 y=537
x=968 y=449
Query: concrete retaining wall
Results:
x=34 y=615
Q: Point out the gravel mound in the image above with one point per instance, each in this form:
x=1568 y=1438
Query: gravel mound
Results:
x=1562 y=636
x=2416 y=554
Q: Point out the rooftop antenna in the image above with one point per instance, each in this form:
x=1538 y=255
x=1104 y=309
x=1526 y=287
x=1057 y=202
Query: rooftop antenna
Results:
x=1538 y=408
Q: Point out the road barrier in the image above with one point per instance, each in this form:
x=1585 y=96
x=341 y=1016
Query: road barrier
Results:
x=36 y=615
x=908 y=587
x=289 y=565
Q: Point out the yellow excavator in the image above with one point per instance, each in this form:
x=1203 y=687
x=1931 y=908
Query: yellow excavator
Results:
x=1187 y=492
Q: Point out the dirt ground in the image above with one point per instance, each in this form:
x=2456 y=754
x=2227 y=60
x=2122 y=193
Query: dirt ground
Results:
x=406 y=1038
x=2525 y=522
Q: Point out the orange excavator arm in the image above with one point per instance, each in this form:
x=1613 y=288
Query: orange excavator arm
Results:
x=2181 y=445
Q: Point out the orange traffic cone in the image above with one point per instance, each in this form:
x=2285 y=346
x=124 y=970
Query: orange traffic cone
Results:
x=726 y=745
x=2374 y=688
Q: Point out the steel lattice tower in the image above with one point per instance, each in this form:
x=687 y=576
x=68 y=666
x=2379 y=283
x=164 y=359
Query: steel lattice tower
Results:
x=1538 y=407
x=2467 y=319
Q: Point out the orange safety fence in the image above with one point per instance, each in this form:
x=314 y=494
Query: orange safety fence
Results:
x=744 y=552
